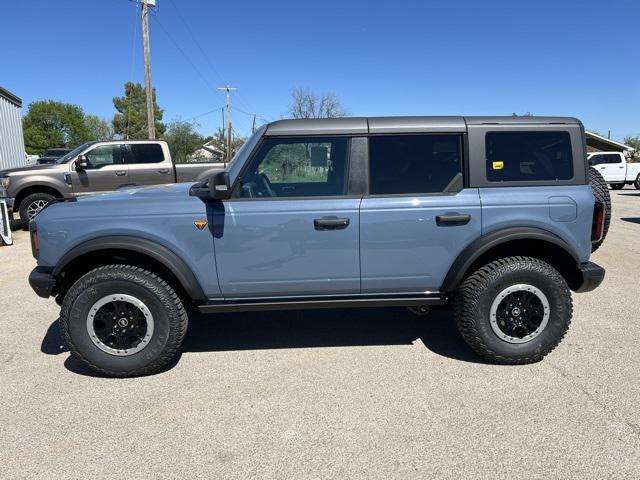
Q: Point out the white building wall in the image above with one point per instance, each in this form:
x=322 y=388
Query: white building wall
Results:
x=11 y=136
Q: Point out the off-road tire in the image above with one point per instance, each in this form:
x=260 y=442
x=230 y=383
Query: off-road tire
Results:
x=601 y=192
x=473 y=299
x=28 y=200
x=616 y=186
x=15 y=225
x=169 y=316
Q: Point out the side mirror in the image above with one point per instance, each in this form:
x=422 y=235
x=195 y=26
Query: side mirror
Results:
x=216 y=187
x=81 y=163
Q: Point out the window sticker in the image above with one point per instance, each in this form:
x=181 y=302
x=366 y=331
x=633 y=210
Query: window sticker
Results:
x=497 y=165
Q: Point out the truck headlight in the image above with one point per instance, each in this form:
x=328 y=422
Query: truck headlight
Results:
x=4 y=184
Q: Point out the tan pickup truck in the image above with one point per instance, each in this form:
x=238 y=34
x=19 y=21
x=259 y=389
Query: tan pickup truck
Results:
x=95 y=167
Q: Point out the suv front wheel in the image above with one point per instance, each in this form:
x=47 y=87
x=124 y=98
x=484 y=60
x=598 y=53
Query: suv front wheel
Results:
x=123 y=321
x=514 y=310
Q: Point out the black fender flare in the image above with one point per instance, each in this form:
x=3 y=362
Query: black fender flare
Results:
x=481 y=245
x=144 y=246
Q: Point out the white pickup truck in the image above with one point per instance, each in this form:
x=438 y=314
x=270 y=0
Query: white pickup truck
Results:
x=615 y=169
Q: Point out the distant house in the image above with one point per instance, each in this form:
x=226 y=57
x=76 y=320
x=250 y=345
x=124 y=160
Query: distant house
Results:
x=11 y=138
x=598 y=143
x=209 y=153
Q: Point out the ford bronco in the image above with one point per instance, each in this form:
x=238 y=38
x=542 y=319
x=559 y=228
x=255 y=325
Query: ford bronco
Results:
x=493 y=216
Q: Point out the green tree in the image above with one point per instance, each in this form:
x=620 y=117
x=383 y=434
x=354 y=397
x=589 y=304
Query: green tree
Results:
x=100 y=129
x=219 y=140
x=634 y=142
x=50 y=124
x=131 y=120
x=183 y=139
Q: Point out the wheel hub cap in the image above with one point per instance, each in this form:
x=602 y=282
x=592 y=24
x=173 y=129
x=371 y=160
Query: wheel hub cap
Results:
x=519 y=313
x=120 y=324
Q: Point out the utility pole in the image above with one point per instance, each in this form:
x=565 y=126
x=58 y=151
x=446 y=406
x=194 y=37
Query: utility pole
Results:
x=147 y=66
x=228 y=89
x=253 y=125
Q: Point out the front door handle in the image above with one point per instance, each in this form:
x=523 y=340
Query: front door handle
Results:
x=453 y=219
x=163 y=170
x=330 y=223
x=121 y=173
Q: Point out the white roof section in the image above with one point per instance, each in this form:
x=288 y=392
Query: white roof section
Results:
x=609 y=141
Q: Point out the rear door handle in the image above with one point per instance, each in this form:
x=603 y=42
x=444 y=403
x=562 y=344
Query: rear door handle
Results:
x=121 y=173
x=330 y=223
x=458 y=219
x=163 y=170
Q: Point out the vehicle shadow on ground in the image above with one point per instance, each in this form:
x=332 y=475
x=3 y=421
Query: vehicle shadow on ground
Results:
x=631 y=219
x=305 y=329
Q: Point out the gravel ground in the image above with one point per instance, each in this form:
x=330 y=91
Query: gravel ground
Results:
x=344 y=394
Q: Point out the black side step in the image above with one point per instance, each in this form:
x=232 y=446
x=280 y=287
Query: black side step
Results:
x=242 y=305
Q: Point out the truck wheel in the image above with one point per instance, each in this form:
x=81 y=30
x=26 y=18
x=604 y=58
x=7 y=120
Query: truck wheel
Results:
x=123 y=321
x=514 y=310
x=637 y=183
x=601 y=192
x=32 y=204
x=617 y=186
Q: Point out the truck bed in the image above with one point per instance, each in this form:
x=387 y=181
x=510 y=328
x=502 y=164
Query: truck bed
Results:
x=193 y=172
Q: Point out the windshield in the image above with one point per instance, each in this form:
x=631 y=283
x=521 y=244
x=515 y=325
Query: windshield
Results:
x=73 y=153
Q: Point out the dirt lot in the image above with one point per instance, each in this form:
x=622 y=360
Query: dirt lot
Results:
x=346 y=394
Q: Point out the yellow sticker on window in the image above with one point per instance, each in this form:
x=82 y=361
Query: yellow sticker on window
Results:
x=498 y=165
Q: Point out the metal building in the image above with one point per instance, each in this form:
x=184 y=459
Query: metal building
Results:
x=11 y=137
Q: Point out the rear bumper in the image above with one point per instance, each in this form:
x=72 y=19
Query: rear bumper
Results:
x=42 y=281
x=592 y=276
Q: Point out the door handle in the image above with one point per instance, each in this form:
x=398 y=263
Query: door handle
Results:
x=330 y=223
x=453 y=218
x=163 y=170
x=121 y=173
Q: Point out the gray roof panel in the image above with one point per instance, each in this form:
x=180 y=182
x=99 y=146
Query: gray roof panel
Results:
x=362 y=126
x=318 y=126
x=416 y=124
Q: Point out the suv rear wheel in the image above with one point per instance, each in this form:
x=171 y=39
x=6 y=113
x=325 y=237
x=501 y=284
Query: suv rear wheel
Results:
x=123 y=321
x=514 y=310
x=32 y=204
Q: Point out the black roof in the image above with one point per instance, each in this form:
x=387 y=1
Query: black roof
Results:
x=364 y=125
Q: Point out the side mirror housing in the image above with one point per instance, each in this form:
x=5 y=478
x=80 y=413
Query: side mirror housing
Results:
x=81 y=163
x=216 y=187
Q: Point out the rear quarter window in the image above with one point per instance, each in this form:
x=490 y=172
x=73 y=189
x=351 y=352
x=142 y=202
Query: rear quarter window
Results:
x=528 y=156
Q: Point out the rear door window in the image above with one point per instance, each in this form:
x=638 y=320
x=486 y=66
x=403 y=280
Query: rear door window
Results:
x=528 y=156
x=411 y=164
x=144 y=153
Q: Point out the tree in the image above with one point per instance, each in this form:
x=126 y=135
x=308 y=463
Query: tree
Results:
x=100 y=129
x=50 y=124
x=307 y=104
x=634 y=142
x=219 y=140
x=131 y=120
x=183 y=139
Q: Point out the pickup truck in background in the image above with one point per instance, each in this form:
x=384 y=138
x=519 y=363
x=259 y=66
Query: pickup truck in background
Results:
x=95 y=167
x=615 y=169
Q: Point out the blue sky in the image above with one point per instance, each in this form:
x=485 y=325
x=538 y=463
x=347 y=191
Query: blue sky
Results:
x=577 y=58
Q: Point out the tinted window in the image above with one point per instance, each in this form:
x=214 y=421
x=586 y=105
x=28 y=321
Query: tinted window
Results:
x=297 y=167
x=413 y=163
x=528 y=156
x=103 y=156
x=145 y=153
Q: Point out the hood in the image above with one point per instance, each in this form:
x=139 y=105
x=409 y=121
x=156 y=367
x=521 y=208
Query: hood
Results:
x=27 y=169
x=155 y=192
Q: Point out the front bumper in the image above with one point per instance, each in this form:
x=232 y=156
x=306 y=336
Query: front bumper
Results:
x=9 y=202
x=592 y=276
x=42 y=281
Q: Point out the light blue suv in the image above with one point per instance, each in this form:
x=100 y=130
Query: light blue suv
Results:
x=494 y=216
